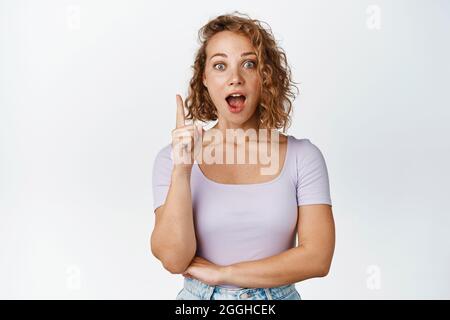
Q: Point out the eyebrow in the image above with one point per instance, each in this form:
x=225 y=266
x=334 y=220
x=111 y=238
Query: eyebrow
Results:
x=224 y=55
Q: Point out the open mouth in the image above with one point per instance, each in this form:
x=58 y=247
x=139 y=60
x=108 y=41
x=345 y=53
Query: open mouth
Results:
x=236 y=102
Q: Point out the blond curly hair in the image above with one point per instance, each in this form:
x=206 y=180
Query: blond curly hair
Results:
x=275 y=105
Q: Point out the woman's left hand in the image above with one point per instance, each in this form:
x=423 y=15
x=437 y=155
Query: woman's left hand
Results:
x=205 y=271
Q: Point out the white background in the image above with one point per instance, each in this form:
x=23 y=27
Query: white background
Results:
x=88 y=99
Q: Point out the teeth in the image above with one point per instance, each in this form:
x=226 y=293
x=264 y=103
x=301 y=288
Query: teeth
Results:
x=235 y=95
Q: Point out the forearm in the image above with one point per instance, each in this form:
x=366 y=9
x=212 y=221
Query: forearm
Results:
x=174 y=236
x=291 y=266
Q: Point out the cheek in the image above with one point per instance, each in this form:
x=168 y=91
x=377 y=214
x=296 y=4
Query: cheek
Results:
x=216 y=88
x=215 y=93
x=257 y=83
x=216 y=96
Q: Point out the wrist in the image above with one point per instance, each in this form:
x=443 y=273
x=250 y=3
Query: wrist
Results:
x=181 y=172
x=226 y=274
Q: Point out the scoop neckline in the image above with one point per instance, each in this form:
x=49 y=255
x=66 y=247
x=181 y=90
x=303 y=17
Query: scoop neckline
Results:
x=283 y=169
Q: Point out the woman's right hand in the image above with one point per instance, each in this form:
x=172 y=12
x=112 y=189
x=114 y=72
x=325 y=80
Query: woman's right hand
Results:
x=186 y=141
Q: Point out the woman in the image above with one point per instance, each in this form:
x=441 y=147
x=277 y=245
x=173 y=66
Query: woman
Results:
x=231 y=230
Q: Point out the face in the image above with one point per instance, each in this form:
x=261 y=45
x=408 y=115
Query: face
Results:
x=231 y=66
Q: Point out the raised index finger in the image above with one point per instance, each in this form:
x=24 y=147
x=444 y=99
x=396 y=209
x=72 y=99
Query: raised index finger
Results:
x=180 y=112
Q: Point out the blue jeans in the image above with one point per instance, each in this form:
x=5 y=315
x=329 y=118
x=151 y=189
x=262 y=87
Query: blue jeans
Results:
x=196 y=290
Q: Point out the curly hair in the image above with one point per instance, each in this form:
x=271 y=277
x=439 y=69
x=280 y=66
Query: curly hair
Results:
x=275 y=105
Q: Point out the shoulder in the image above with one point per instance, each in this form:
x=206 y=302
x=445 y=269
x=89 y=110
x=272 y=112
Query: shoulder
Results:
x=164 y=157
x=311 y=172
x=165 y=151
x=304 y=148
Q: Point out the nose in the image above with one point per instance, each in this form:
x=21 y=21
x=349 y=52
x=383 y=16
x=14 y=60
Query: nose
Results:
x=236 y=78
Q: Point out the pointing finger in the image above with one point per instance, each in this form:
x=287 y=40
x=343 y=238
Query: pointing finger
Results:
x=180 y=112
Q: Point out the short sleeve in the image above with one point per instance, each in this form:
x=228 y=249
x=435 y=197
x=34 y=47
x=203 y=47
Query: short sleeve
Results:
x=161 y=176
x=312 y=175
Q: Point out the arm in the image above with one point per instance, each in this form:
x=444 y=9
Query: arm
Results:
x=173 y=239
x=311 y=258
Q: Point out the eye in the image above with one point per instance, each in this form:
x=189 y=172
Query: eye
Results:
x=252 y=62
x=252 y=65
x=218 y=64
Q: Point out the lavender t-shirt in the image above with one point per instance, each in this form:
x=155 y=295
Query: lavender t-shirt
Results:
x=244 y=222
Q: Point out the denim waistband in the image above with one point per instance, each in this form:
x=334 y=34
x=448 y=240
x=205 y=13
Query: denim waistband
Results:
x=204 y=291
